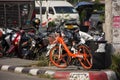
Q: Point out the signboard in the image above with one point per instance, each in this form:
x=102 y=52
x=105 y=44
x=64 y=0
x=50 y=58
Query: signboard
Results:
x=79 y=76
x=116 y=21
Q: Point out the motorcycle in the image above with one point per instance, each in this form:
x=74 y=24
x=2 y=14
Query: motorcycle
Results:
x=32 y=45
x=10 y=41
x=5 y=40
x=1 y=48
x=1 y=51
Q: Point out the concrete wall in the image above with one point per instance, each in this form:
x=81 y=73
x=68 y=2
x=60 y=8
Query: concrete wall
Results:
x=116 y=24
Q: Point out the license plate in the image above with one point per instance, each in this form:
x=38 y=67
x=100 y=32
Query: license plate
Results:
x=69 y=26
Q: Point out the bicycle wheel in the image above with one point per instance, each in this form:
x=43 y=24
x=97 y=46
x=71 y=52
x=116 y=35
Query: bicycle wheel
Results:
x=86 y=61
x=61 y=59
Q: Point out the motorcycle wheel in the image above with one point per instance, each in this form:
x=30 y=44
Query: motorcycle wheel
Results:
x=1 y=52
x=24 y=47
x=3 y=49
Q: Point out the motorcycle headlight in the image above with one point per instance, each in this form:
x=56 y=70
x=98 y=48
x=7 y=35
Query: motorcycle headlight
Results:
x=33 y=43
x=14 y=36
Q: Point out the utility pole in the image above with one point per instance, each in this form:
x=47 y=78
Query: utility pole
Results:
x=108 y=21
x=40 y=14
x=47 y=11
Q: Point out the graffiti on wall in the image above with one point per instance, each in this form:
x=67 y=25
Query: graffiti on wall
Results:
x=116 y=20
x=116 y=7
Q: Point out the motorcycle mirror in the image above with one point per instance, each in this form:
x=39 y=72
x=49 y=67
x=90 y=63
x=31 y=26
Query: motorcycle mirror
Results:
x=103 y=33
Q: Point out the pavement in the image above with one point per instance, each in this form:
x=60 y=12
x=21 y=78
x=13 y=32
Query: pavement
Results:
x=70 y=73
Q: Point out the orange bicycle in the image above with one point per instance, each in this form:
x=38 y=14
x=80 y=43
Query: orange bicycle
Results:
x=64 y=53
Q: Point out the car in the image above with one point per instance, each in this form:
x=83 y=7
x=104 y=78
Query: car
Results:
x=56 y=11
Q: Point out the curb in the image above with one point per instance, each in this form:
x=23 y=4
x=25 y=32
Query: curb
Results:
x=22 y=70
x=64 y=75
x=89 y=75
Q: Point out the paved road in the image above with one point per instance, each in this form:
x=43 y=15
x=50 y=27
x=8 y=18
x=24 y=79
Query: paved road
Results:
x=16 y=61
x=16 y=76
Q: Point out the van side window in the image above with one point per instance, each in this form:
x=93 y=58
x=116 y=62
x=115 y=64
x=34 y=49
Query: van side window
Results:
x=51 y=10
x=65 y=9
x=37 y=10
x=43 y=10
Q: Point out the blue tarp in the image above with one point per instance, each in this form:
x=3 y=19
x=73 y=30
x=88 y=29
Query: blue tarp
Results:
x=83 y=3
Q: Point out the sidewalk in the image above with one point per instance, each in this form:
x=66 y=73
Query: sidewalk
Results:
x=70 y=73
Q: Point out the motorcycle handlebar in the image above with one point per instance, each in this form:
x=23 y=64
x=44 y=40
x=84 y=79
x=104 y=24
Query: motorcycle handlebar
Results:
x=20 y=29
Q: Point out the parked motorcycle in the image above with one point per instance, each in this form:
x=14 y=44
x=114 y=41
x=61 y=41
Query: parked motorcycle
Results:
x=1 y=51
x=1 y=48
x=5 y=40
x=10 y=41
x=32 y=45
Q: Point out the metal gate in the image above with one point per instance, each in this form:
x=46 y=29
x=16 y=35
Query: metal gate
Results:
x=15 y=14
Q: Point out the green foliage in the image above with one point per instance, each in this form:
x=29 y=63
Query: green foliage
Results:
x=51 y=24
x=46 y=76
x=97 y=1
x=43 y=61
x=98 y=6
x=116 y=64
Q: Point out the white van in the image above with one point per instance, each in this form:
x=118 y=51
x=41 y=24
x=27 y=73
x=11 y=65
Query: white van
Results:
x=55 y=11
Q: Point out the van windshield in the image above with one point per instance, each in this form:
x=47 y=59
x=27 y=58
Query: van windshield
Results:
x=65 y=9
x=37 y=10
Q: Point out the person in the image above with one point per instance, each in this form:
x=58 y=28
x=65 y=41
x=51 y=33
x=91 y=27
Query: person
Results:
x=34 y=32
x=85 y=13
x=36 y=24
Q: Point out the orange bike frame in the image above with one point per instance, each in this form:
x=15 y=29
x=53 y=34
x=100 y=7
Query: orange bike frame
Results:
x=60 y=40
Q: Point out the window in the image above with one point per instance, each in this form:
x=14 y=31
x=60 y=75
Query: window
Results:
x=66 y=9
x=37 y=10
x=51 y=10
